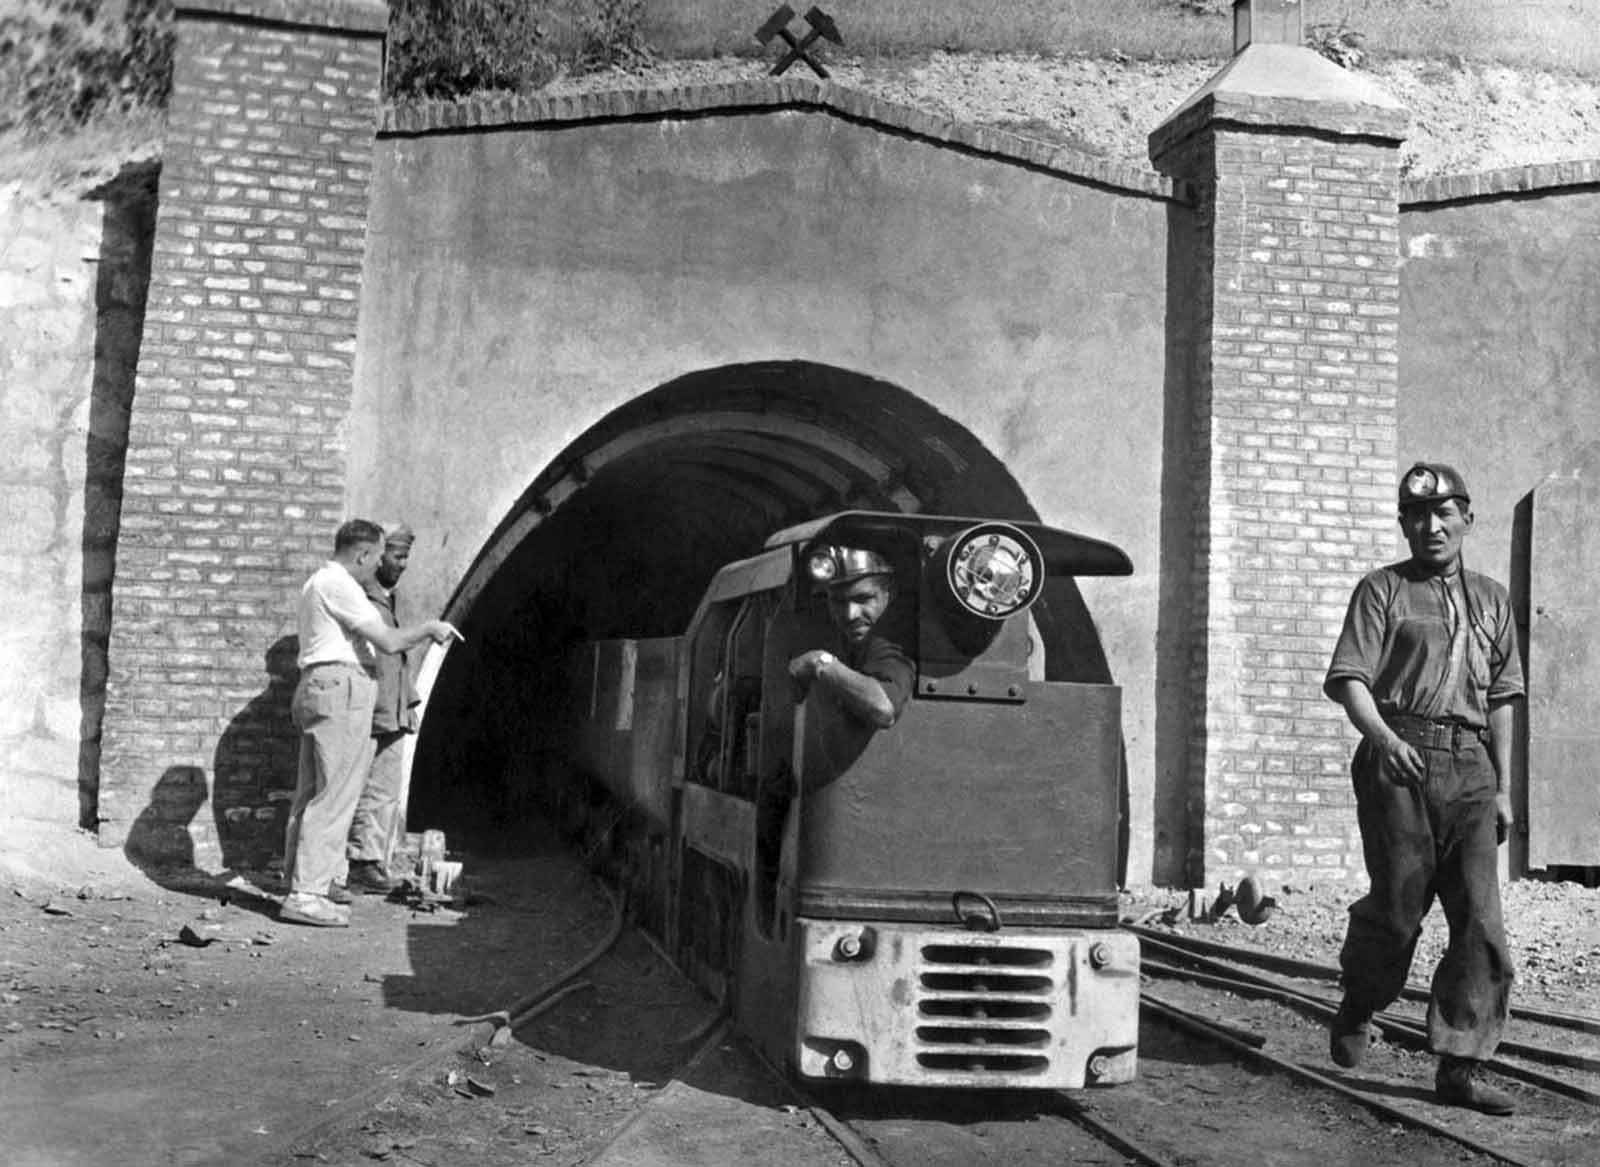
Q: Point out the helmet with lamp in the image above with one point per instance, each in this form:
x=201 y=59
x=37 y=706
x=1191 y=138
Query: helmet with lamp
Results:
x=1429 y=482
x=831 y=565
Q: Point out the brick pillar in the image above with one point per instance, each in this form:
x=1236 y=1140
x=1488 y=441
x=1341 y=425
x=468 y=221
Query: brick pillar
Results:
x=1293 y=168
x=235 y=469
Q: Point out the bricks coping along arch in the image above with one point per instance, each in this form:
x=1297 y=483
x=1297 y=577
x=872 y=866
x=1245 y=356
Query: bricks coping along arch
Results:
x=1511 y=180
x=488 y=113
x=485 y=113
x=356 y=17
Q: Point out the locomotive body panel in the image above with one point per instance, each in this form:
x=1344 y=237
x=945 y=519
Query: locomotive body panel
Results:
x=1014 y=801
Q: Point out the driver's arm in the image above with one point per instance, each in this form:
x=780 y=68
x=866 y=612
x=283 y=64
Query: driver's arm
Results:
x=857 y=693
x=876 y=693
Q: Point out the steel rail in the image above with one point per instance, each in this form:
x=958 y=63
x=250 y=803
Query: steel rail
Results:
x=547 y=996
x=1415 y=1035
x=1201 y=1027
x=841 y=1131
x=1293 y=966
x=858 y=1147
x=1110 y=1135
x=1325 y=1006
x=670 y=1090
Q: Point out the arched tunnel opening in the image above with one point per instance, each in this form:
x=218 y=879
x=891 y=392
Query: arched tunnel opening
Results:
x=620 y=536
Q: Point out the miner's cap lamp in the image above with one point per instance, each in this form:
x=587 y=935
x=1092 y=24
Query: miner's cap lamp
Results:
x=1430 y=482
x=833 y=565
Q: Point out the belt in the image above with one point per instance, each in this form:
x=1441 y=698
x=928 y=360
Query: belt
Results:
x=1434 y=735
x=339 y=664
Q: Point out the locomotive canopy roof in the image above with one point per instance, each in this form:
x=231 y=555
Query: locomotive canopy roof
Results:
x=1065 y=553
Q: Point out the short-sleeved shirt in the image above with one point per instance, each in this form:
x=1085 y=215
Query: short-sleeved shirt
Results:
x=1429 y=647
x=331 y=605
x=882 y=657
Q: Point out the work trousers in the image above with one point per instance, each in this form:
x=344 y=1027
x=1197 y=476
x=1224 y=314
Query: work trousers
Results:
x=332 y=707
x=1424 y=840
x=377 y=815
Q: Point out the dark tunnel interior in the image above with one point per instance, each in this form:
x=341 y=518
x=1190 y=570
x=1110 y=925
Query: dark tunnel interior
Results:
x=654 y=500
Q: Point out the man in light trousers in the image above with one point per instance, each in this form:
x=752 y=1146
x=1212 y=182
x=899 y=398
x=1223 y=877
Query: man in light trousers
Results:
x=339 y=632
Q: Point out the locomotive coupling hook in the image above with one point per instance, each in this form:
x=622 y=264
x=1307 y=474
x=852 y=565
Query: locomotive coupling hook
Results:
x=972 y=919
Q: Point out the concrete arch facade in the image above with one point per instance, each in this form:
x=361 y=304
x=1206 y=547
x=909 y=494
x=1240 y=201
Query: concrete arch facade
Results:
x=799 y=260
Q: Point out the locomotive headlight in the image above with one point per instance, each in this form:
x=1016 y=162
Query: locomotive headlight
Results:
x=994 y=570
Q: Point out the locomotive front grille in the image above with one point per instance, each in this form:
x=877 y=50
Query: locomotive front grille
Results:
x=900 y=1004
x=986 y=1008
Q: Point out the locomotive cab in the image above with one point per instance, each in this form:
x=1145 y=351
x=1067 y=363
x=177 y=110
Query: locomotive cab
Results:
x=932 y=903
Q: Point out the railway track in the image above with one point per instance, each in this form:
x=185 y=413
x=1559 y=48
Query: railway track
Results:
x=1233 y=1069
x=1278 y=1086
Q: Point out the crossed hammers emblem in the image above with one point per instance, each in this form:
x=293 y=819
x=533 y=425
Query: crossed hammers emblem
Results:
x=822 y=27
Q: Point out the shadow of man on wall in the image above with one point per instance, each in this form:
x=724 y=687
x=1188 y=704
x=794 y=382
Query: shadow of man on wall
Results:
x=253 y=769
x=159 y=843
x=252 y=782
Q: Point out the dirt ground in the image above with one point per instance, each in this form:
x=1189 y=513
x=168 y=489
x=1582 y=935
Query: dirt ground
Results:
x=170 y=1019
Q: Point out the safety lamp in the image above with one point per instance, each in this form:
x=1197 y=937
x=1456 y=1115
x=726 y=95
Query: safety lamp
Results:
x=822 y=565
x=827 y=564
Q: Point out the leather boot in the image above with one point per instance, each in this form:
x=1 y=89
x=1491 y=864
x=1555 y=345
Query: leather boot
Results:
x=1459 y=1083
x=367 y=875
x=1348 y=1035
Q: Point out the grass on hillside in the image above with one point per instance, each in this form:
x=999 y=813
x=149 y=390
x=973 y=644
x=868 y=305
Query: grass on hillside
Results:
x=1558 y=35
x=59 y=59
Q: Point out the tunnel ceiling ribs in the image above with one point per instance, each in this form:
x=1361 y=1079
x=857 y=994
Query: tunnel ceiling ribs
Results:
x=710 y=464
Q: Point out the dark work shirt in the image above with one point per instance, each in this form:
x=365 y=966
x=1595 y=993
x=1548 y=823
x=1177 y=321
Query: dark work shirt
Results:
x=882 y=656
x=1429 y=647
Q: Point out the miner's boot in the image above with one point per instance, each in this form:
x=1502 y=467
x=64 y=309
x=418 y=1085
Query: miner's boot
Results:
x=1458 y=1083
x=1349 y=1034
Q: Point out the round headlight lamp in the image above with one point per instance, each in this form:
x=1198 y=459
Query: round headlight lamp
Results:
x=822 y=565
x=994 y=570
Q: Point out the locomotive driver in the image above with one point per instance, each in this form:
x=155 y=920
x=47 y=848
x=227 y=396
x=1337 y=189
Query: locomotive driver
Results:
x=1427 y=670
x=870 y=677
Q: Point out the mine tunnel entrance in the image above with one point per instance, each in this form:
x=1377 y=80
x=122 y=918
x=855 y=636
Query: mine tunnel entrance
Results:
x=621 y=534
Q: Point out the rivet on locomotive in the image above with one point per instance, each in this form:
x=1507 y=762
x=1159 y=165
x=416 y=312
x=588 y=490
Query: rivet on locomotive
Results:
x=933 y=903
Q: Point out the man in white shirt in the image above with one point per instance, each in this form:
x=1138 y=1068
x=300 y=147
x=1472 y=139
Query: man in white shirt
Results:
x=339 y=631
x=378 y=812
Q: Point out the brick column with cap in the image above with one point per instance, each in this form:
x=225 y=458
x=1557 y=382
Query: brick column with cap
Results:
x=1292 y=167
x=235 y=471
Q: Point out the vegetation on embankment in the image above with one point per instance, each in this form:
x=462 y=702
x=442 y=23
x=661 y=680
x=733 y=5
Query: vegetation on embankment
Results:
x=65 y=64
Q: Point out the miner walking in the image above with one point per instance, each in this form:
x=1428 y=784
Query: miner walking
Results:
x=1427 y=670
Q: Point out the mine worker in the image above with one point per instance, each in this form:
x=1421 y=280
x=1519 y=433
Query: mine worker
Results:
x=372 y=831
x=339 y=630
x=871 y=677
x=1427 y=670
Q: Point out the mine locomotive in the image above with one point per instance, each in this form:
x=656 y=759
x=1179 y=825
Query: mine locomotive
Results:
x=932 y=903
